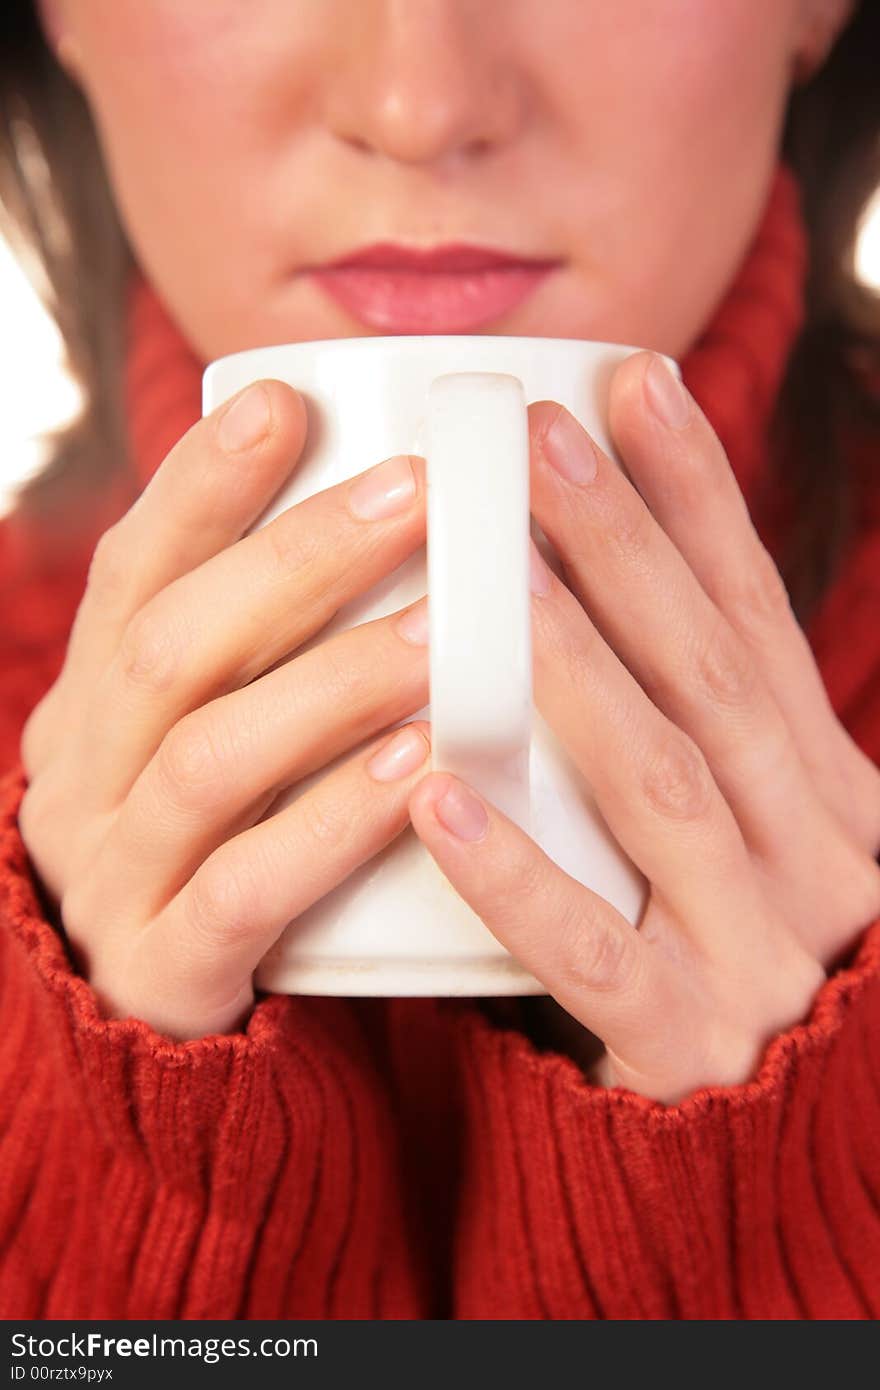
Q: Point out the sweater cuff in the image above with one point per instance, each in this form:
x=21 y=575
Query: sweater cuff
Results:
x=150 y=1178
x=751 y=1201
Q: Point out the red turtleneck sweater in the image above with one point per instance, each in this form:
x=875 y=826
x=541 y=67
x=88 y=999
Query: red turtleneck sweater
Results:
x=408 y=1158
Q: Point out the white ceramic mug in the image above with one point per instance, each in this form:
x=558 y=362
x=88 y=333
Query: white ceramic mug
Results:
x=396 y=926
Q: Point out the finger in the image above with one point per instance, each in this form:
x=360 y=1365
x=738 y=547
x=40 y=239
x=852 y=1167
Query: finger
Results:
x=655 y=791
x=585 y=953
x=693 y=665
x=672 y=1018
x=211 y=487
x=680 y=468
x=651 y=783
x=220 y=767
x=210 y=938
x=220 y=625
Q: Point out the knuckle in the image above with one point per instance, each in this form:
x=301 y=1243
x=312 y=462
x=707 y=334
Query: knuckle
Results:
x=628 y=532
x=676 y=782
x=41 y=804
x=327 y=824
x=61 y=844
x=853 y=780
x=148 y=652
x=34 y=738
x=761 y=599
x=725 y=670
x=290 y=545
x=191 y=764
x=110 y=567
x=523 y=881
x=577 y=641
x=220 y=903
x=865 y=890
x=515 y=893
x=601 y=958
x=346 y=681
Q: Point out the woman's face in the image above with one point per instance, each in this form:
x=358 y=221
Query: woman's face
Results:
x=625 y=146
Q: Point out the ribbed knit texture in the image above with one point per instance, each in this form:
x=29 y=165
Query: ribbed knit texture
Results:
x=408 y=1158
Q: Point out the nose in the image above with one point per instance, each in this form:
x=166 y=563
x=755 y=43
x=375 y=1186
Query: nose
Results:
x=423 y=82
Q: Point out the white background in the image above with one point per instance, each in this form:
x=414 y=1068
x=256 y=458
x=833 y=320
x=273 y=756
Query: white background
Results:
x=37 y=394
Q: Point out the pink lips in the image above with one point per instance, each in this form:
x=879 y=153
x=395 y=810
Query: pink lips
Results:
x=448 y=289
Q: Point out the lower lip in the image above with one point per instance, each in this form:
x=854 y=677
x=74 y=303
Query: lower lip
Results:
x=416 y=301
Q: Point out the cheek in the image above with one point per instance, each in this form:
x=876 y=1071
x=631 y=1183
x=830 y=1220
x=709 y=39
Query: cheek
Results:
x=673 y=120
x=176 y=87
x=189 y=100
x=644 y=78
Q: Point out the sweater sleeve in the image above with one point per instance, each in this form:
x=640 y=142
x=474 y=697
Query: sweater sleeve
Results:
x=755 y=1201
x=250 y=1175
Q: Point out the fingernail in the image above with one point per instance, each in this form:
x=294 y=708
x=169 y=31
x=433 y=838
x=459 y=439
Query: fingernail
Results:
x=245 y=420
x=387 y=489
x=568 y=448
x=667 y=397
x=462 y=813
x=413 y=624
x=539 y=570
x=403 y=753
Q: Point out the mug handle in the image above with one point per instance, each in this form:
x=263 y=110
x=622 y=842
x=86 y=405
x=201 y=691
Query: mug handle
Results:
x=479 y=605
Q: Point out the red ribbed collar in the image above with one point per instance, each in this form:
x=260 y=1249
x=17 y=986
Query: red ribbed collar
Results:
x=734 y=370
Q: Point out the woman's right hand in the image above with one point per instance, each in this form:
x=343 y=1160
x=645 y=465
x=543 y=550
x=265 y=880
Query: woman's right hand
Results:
x=177 y=718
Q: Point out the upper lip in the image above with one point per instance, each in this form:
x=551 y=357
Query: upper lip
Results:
x=452 y=256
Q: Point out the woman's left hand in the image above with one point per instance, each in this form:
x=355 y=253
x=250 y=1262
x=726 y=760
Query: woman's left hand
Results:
x=671 y=667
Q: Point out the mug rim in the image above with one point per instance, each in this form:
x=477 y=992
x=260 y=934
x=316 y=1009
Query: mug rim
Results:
x=364 y=343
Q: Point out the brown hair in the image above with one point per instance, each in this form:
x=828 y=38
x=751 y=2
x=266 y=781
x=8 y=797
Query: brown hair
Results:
x=58 y=211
